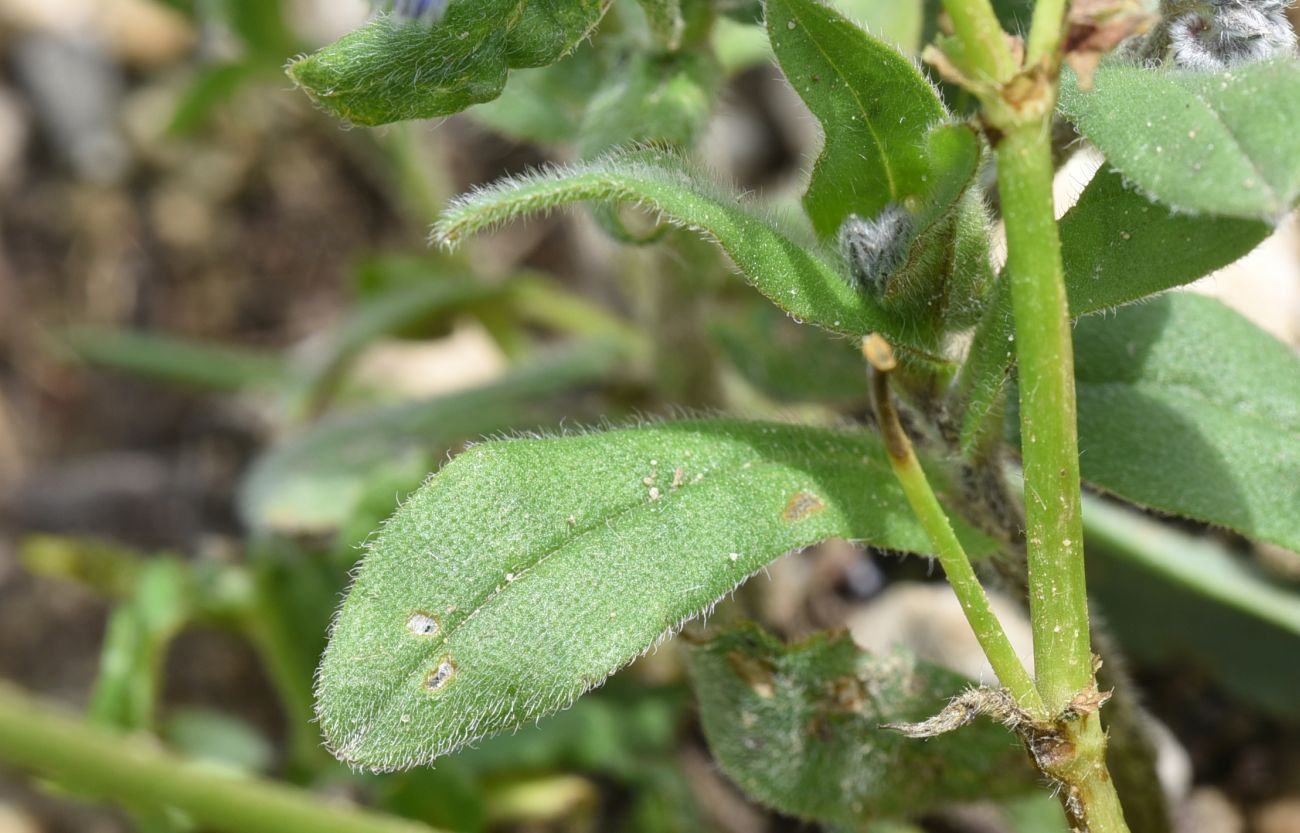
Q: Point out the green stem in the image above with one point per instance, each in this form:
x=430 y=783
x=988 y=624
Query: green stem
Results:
x=977 y=26
x=956 y=564
x=1045 y=31
x=1058 y=600
x=136 y=772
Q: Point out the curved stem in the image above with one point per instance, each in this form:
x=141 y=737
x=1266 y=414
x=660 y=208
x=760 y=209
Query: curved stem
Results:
x=956 y=564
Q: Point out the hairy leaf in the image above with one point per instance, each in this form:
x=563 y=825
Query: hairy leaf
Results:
x=794 y=275
x=875 y=107
x=799 y=729
x=1117 y=247
x=527 y=571
x=390 y=71
x=1186 y=407
x=1222 y=143
x=314 y=481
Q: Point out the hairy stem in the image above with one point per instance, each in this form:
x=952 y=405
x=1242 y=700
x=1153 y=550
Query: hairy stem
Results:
x=1058 y=599
x=956 y=564
x=37 y=737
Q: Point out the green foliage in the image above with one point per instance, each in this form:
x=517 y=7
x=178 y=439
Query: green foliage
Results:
x=1117 y=247
x=139 y=630
x=314 y=482
x=1198 y=142
x=1186 y=407
x=794 y=276
x=788 y=362
x=1180 y=597
x=388 y=71
x=172 y=360
x=527 y=571
x=652 y=98
x=799 y=728
x=546 y=104
x=875 y=108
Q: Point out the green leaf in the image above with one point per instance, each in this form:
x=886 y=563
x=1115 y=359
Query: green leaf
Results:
x=1186 y=407
x=135 y=643
x=1173 y=597
x=393 y=312
x=388 y=71
x=546 y=104
x=313 y=482
x=875 y=107
x=1222 y=144
x=796 y=276
x=1117 y=247
x=527 y=571
x=173 y=360
x=790 y=363
x=665 y=99
x=799 y=729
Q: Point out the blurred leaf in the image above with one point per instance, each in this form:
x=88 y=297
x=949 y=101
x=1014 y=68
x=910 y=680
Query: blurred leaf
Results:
x=313 y=481
x=788 y=362
x=1176 y=598
x=527 y=571
x=101 y=566
x=664 y=99
x=171 y=360
x=211 y=87
x=1117 y=247
x=1186 y=407
x=665 y=21
x=795 y=277
x=874 y=105
x=260 y=24
x=393 y=313
x=1037 y=812
x=446 y=797
x=209 y=736
x=546 y=104
x=1214 y=143
x=388 y=71
x=798 y=728
x=135 y=644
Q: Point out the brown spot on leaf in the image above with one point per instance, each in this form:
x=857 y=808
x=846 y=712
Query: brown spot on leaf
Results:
x=756 y=672
x=801 y=506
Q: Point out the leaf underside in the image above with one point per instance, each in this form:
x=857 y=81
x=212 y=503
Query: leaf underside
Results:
x=389 y=71
x=527 y=571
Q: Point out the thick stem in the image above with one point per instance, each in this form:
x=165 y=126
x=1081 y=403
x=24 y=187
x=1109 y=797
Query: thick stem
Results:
x=138 y=773
x=1058 y=600
x=956 y=564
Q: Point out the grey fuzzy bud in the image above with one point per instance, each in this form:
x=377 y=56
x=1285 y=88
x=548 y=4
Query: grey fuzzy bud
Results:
x=1226 y=33
x=876 y=248
x=420 y=11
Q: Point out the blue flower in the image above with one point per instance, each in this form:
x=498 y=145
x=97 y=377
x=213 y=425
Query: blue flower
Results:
x=420 y=11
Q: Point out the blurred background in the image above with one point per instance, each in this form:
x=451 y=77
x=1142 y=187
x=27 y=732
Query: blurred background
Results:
x=226 y=351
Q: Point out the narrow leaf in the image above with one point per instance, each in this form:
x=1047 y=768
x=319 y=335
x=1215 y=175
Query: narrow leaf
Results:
x=1186 y=407
x=1117 y=247
x=794 y=275
x=173 y=360
x=314 y=481
x=798 y=728
x=874 y=105
x=527 y=571
x=1223 y=143
x=390 y=71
